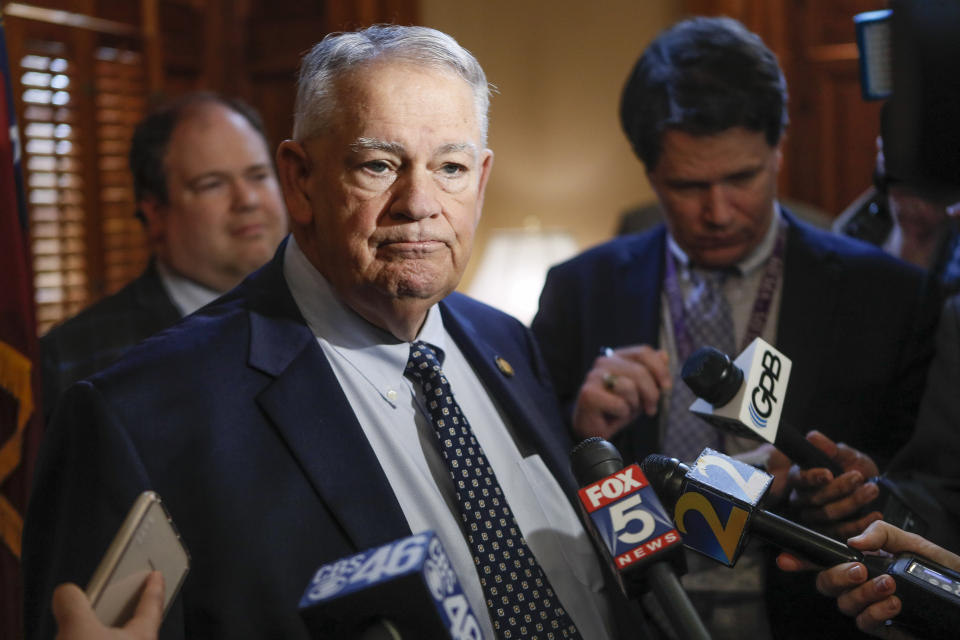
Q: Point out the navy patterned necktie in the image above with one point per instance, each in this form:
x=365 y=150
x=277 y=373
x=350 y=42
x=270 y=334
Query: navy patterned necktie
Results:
x=521 y=602
x=708 y=322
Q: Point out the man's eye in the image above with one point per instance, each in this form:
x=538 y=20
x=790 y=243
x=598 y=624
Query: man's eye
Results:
x=208 y=185
x=452 y=170
x=741 y=179
x=377 y=166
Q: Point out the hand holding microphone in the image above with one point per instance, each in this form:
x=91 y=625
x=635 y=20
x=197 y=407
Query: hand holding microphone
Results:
x=875 y=601
x=832 y=483
x=745 y=397
x=715 y=505
x=840 y=506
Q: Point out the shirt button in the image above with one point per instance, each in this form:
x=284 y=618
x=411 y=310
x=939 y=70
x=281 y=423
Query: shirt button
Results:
x=391 y=395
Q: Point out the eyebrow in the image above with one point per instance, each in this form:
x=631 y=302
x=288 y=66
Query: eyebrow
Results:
x=747 y=172
x=257 y=166
x=375 y=144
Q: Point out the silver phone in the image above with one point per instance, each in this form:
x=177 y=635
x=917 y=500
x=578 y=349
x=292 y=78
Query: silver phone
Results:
x=146 y=541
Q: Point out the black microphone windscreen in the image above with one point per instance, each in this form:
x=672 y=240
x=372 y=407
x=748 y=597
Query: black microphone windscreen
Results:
x=711 y=375
x=666 y=477
x=593 y=459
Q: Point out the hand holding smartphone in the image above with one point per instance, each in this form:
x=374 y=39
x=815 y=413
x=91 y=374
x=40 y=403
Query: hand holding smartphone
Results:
x=146 y=541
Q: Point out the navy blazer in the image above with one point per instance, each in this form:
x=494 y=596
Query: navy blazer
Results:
x=236 y=419
x=101 y=333
x=857 y=324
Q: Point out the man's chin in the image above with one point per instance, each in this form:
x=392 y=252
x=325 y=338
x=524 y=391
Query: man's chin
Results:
x=718 y=257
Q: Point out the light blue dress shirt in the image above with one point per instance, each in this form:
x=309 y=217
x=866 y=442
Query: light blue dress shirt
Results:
x=369 y=364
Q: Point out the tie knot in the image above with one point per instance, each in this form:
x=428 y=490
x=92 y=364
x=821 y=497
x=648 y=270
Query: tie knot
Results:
x=710 y=278
x=424 y=360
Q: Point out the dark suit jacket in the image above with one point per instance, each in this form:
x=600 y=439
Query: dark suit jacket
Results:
x=927 y=467
x=857 y=324
x=236 y=419
x=100 y=334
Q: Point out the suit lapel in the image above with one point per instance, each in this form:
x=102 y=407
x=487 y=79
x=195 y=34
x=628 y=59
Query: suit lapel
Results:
x=637 y=283
x=517 y=395
x=306 y=406
x=811 y=282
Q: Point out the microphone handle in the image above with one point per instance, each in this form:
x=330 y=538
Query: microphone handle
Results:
x=675 y=603
x=811 y=544
x=802 y=451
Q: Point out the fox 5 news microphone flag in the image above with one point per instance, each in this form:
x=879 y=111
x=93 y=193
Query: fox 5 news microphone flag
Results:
x=20 y=424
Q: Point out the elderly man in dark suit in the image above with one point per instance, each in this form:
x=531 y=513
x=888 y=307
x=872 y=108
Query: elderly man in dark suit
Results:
x=705 y=110
x=342 y=396
x=208 y=194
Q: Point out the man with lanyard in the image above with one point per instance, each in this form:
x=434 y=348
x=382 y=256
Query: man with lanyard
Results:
x=705 y=110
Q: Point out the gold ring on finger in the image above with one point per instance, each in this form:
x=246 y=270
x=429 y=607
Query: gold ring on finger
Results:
x=609 y=381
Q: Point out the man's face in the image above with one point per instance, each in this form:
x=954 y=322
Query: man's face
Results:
x=392 y=191
x=717 y=192
x=224 y=216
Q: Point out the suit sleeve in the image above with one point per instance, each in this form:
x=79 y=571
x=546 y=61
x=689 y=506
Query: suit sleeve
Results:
x=903 y=403
x=87 y=477
x=557 y=328
x=927 y=467
x=49 y=375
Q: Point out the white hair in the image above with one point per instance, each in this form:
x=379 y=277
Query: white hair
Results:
x=338 y=53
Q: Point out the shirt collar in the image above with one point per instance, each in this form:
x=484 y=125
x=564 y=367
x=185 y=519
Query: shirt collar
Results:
x=752 y=260
x=186 y=294
x=372 y=350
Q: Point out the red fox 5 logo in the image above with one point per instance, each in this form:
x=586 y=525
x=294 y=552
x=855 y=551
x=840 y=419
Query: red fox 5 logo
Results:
x=628 y=516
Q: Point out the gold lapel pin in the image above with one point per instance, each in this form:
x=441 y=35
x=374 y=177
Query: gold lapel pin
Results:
x=504 y=367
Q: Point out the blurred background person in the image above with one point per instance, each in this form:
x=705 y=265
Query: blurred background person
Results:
x=207 y=193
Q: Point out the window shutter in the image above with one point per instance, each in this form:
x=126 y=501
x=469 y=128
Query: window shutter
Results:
x=54 y=181
x=120 y=88
x=86 y=240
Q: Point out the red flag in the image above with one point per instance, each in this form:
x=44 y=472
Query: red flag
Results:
x=20 y=423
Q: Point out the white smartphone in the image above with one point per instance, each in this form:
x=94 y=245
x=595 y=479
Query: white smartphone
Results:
x=146 y=541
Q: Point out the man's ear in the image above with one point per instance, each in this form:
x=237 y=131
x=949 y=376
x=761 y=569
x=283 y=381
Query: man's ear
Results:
x=486 y=166
x=155 y=219
x=293 y=170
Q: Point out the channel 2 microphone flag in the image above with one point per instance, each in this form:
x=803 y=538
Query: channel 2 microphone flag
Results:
x=20 y=424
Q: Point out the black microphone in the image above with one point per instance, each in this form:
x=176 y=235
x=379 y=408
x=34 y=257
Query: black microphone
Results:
x=715 y=519
x=405 y=589
x=635 y=534
x=745 y=397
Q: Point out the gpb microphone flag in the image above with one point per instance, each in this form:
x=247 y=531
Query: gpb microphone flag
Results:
x=409 y=583
x=746 y=396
